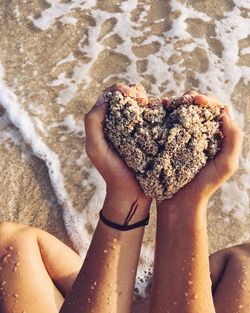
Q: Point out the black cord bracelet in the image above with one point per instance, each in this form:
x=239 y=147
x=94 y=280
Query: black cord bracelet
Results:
x=123 y=227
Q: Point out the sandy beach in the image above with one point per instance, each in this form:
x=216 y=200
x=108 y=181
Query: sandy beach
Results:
x=56 y=58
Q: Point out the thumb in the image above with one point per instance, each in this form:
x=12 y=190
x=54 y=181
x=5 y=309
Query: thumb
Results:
x=96 y=145
x=99 y=109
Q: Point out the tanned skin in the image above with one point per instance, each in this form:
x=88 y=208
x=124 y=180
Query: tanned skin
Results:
x=40 y=274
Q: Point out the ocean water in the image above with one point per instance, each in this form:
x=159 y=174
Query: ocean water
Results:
x=57 y=56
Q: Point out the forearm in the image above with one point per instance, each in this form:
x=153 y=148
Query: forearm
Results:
x=181 y=281
x=106 y=280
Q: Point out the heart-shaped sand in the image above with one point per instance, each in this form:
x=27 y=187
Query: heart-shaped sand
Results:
x=165 y=141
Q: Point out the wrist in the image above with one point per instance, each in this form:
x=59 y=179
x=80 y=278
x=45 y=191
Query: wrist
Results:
x=189 y=213
x=118 y=204
x=191 y=202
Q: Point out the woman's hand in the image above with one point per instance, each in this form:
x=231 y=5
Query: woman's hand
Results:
x=106 y=280
x=217 y=170
x=123 y=188
x=182 y=223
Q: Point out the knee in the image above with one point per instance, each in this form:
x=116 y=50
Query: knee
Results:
x=233 y=259
x=9 y=227
x=244 y=249
x=10 y=232
x=16 y=242
x=6 y=228
x=241 y=251
x=239 y=258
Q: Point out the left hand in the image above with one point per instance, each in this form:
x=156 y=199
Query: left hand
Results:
x=217 y=170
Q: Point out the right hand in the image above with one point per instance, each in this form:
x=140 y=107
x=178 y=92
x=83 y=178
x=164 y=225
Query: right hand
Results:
x=122 y=185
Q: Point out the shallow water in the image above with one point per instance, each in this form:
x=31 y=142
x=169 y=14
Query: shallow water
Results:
x=57 y=56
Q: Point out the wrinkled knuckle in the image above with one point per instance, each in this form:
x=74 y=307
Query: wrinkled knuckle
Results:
x=237 y=130
x=89 y=117
x=234 y=166
x=89 y=149
x=229 y=167
x=88 y=152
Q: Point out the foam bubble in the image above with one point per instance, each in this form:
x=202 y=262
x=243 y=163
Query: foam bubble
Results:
x=68 y=20
x=70 y=122
x=17 y=11
x=242 y=3
x=68 y=58
x=58 y=9
x=4 y=121
x=235 y=200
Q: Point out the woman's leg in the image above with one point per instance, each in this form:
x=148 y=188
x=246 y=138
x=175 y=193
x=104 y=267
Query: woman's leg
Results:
x=36 y=270
x=230 y=273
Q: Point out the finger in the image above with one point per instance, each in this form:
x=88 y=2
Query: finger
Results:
x=116 y=87
x=229 y=112
x=136 y=91
x=103 y=157
x=232 y=137
x=95 y=141
x=131 y=90
x=207 y=100
x=201 y=100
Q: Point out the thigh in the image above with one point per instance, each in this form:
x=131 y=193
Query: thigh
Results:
x=230 y=274
x=32 y=275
